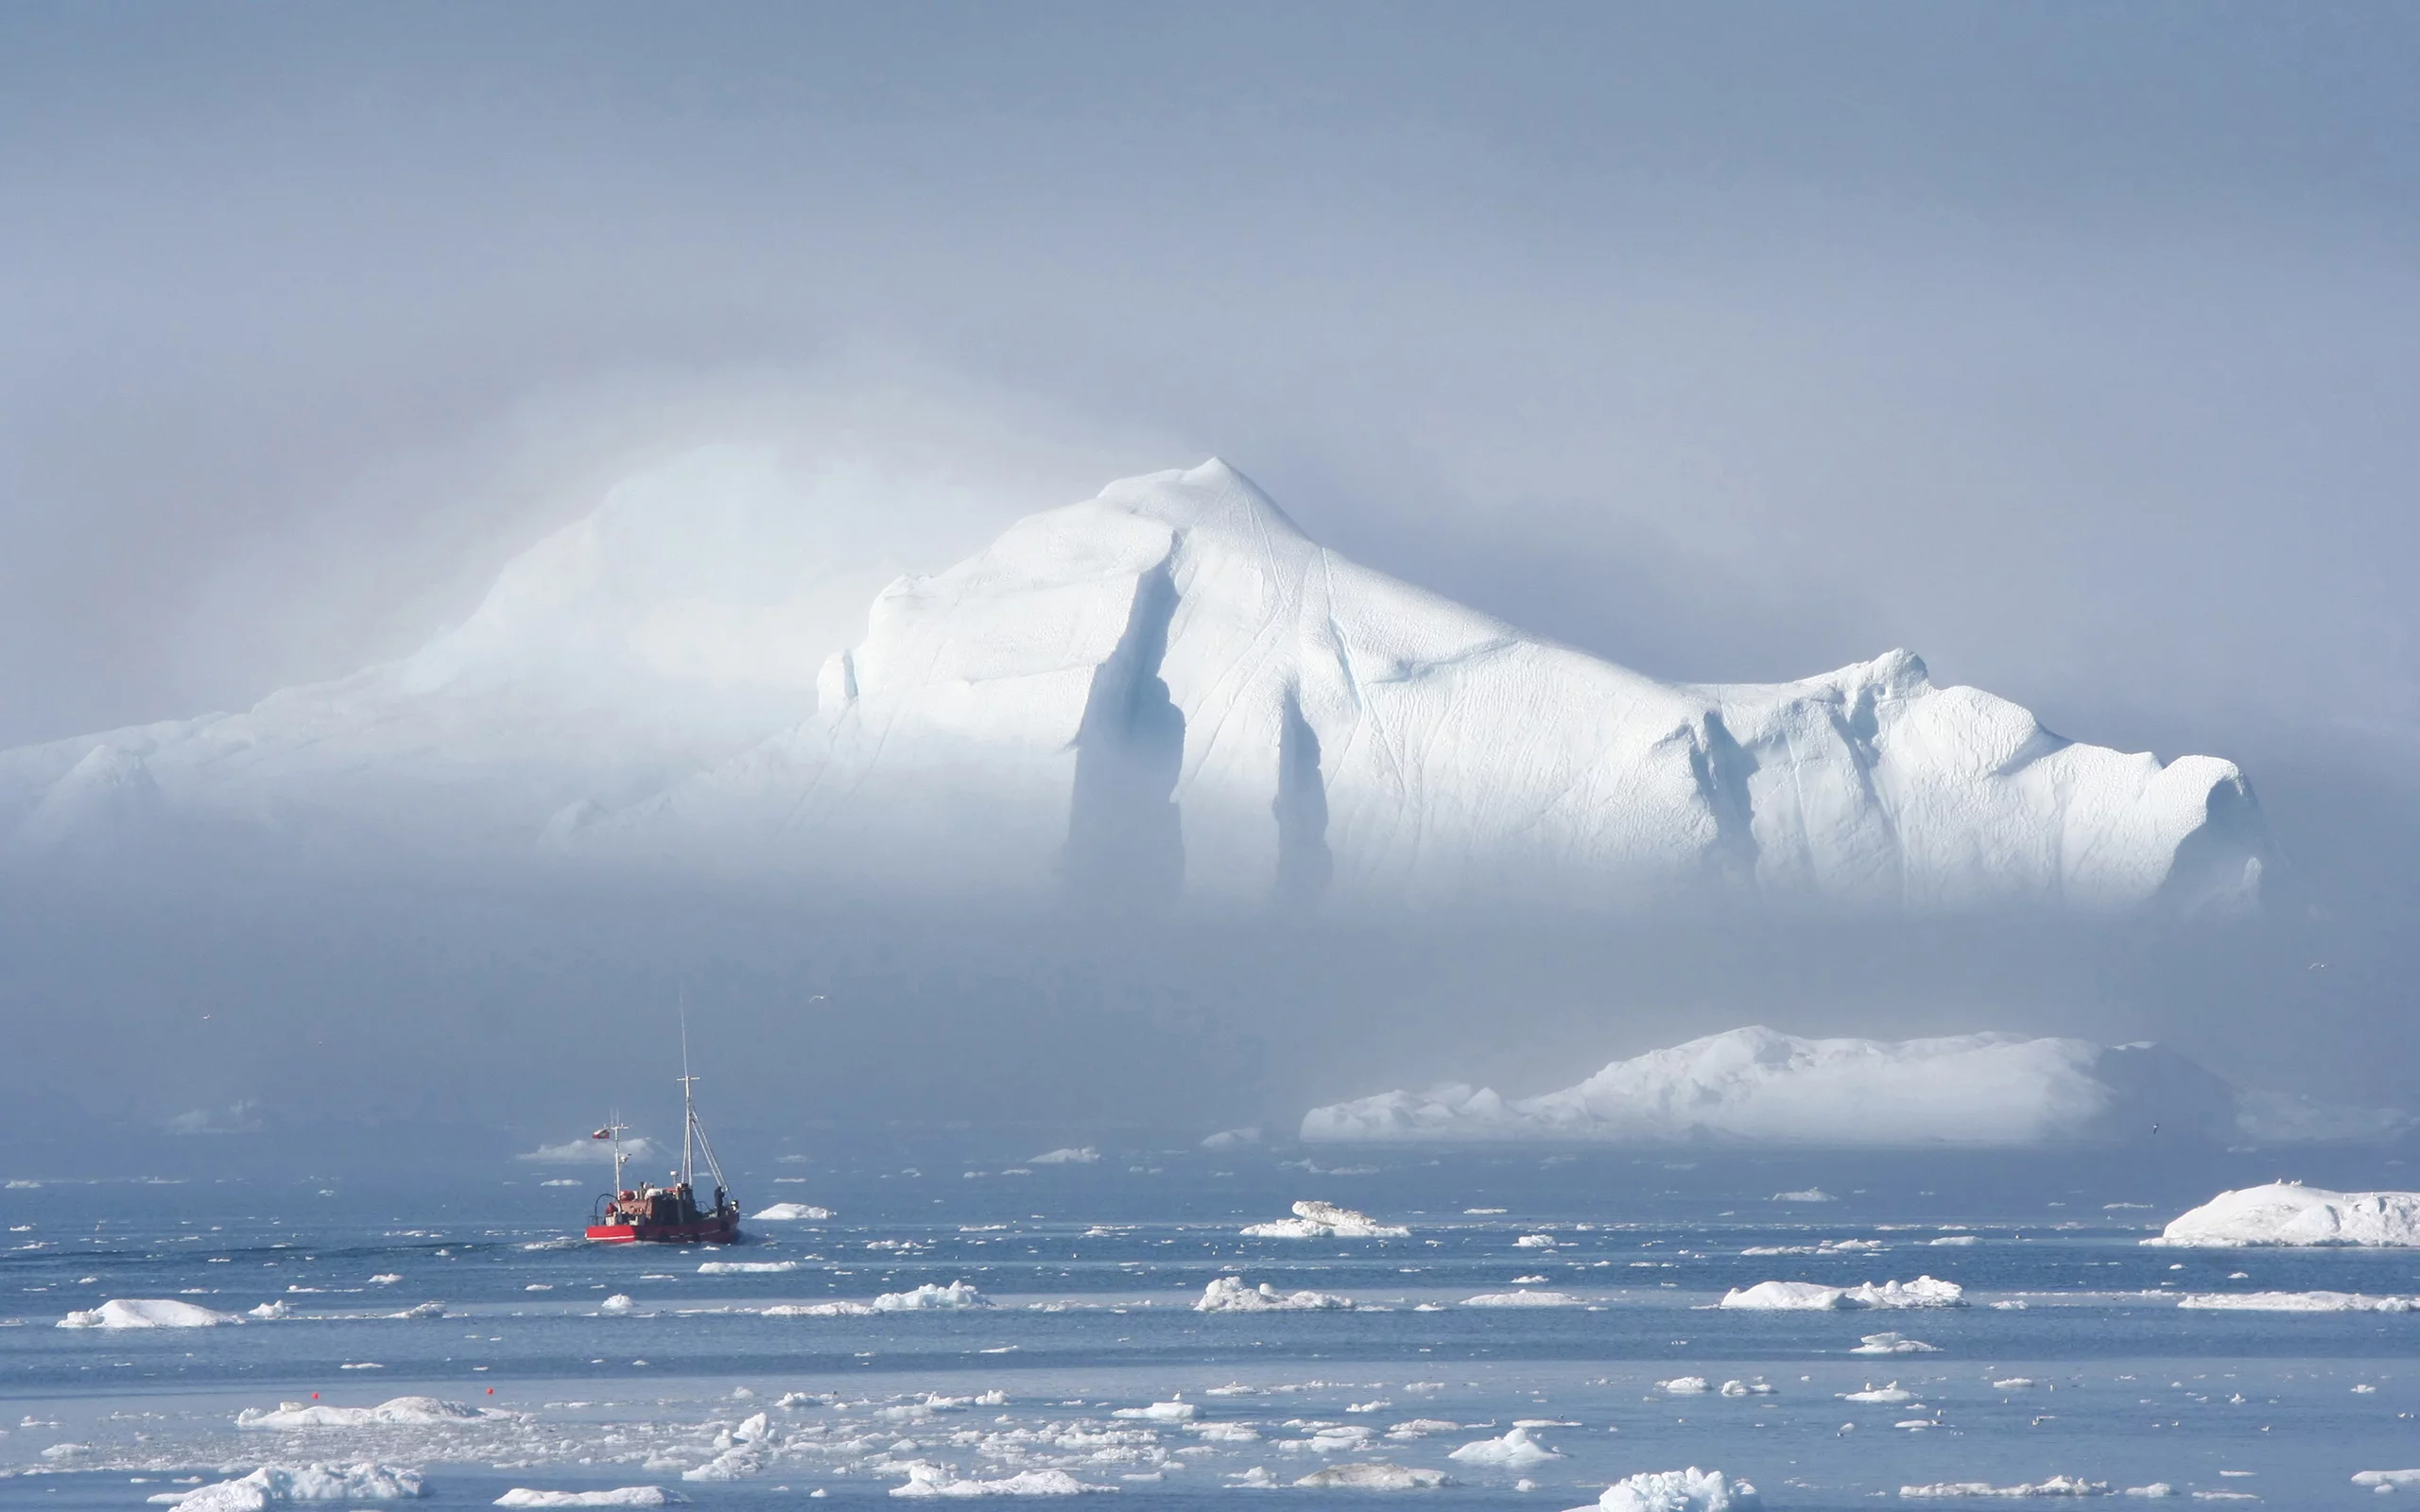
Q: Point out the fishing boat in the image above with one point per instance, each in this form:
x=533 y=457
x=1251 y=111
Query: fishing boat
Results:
x=649 y=1214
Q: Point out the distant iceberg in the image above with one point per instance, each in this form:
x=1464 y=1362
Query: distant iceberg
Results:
x=143 y=1313
x=1324 y=1220
x=1759 y=1086
x=1807 y=1297
x=1227 y=1294
x=2287 y=1212
x=792 y=1213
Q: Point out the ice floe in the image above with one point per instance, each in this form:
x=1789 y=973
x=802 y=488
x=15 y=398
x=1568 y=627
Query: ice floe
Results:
x=1514 y=1450
x=2297 y=1302
x=745 y=1267
x=1759 y=1086
x=2386 y=1480
x=1376 y=1475
x=1688 y=1490
x=1324 y=1220
x=2288 y=1213
x=1160 y=1412
x=1524 y=1298
x=416 y=1411
x=620 y=1496
x=2056 y=1485
x=926 y=1299
x=1228 y=1293
x=792 y=1213
x=1893 y=1344
x=148 y=1313
x=1685 y=1386
x=274 y=1484
x=1790 y=1296
x=928 y=1479
x=1892 y=1394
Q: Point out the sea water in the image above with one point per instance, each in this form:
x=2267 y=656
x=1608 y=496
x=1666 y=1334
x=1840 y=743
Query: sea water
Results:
x=2070 y=1357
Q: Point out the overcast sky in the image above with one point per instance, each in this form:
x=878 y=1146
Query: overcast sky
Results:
x=2072 y=347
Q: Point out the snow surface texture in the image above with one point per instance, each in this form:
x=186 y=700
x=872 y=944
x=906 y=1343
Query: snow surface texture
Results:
x=1807 y=1297
x=1167 y=690
x=1688 y=1490
x=142 y=1313
x=1762 y=1086
x=1324 y=1220
x=276 y=1484
x=2287 y=1212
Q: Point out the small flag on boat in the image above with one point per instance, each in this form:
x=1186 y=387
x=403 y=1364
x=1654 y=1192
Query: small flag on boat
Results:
x=602 y=1134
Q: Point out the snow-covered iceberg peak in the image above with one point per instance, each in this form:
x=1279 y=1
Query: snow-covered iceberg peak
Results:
x=1758 y=1086
x=2288 y=1213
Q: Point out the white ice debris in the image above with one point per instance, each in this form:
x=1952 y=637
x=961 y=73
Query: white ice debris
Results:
x=1685 y=1386
x=662 y=646
x=1688 y=1490
x=1324 y=1220
x=1515 y=1451
x=792 y=1213
x=1873 y=1396
x=1805 y=1194
x=270 y=1312
x=1160 y=1412
x=1758 y=1387
x=928 y=1479
x=1785 y=1297
x=1759 y=1086
x=1523 y=1298
x=1232 y=1139
x=1893 y=1344
x=1373 y=1476
x=2056 y=1485
x=148 y=1313
x=2386 y=1480
x=618 y=1305
x=926 y=1299
x=619 y=1496
x=1076 y=1155
x=419 y=1411
x=276 y=1484
x=745 y=1267
x=2297 y=1302
x=2288 y=1213
x=1228 y=1293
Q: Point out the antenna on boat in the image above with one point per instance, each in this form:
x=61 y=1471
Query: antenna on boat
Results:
x=688 y=1099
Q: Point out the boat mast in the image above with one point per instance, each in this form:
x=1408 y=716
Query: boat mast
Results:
x=616 y=1127
x=688 y=1102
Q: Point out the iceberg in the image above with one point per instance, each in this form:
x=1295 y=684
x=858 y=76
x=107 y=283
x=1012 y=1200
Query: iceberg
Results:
x=1078 y=1155
x=792 y=1213
x=1801 y=1296
x=1166 y=691
x=416 y=1411
x=1227 y=1294
x=2056 y=1485
x=1523 y=1298
x=926 y=1299
x=619 y=1496
x=148 y=1313
x=2288 y=1213
x=1324 y=1220
x=1759 y=1086
x=1515 y=1451
x=1373 y=1476
x=1688 y=1490
x=274 y=1485
x=2296 y=1302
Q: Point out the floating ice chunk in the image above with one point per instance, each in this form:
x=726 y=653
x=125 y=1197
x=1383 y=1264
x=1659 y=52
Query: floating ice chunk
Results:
x=1325 y=1220
x=1893 y=1344
x=1373 y=1476
x=1421 y=1428
x=745 y=1267
x=422 y=1312
x=926 y=1299
x=1758 y=1387
x=268 y=1312
x=2012 y=1383
x=1683 y=1387
x=1076 y=1155
x=1228 y=1293
x=1523 y=1298
x=619 y=1496
x=618 y=1305
x=2155 y=1488
x=1516 y=1449
x=1890 y=1396
x=274 y=1485
x=792 y=1213
x=384 y=1279
x=2386 y=1480
x=418 y=1412
x=928 y=1479
x=2056 y=1485
x=1805 y=1194
x=1787 y=1297
x=2297 y=1302
x=1534 y=1241
x=147 y=1313
x=1229 y=1138
x=1953 y=1239
x=2286 y=1212
x=1688 y=1490
x=1160 y=1412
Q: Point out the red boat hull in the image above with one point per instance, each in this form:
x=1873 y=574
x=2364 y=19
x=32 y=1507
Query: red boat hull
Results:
x=704 y=1231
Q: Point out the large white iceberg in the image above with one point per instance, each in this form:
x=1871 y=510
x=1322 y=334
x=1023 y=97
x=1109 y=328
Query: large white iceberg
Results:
x=2288 y=1213
x=148 y=1313
x=1760 y=1086
x=276 y=1484
x=1166 y=691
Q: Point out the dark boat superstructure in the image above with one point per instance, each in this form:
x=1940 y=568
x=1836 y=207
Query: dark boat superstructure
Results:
x=667 y=1215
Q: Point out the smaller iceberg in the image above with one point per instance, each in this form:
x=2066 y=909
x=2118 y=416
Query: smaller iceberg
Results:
x=792 y=1213
x=148 y=1313
x=1228 y=1293
x=1325 y=1220
x=1688 y=1490
x=1807 y=1297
